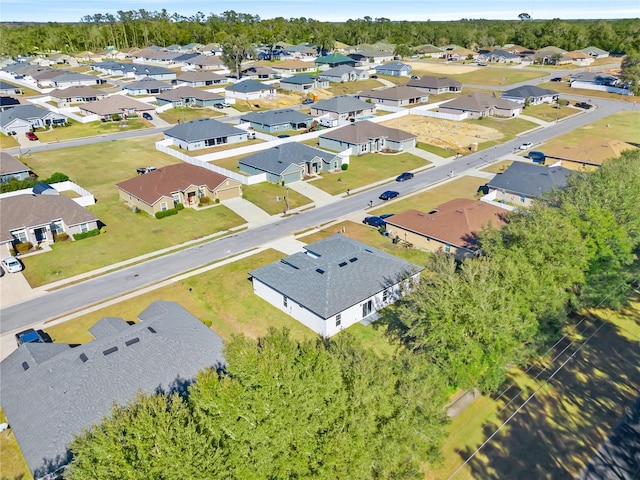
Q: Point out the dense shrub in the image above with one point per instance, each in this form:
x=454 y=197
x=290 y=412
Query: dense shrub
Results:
x=60 y=237
x=178 y=207
x=91 y=233
x=345 y=166
x=205 y=200
x=166 y=213
x=23 y=247
x=57 y=177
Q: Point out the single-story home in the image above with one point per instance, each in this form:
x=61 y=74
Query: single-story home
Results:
x=183 y=183
x=333 y=60
x=204 y=133
x=272 y=121
x=13 y=169
x=397 y=69
x=397 y=96
x=435 y=85
x=479 y=105
x=75 y=388
x=522 y=183
x=8 y=102
x=201 y=79
x=115 y=106
x=22 y=118
x=587 y=79
x=9 y=89
x=294 y=66
x=69 y=79
x=189 y=96
x=429 y=50
x=260 y=73
x=367 y=137
x=38 y=218
x=531 y=94
x=206 y=62
x=76 y=94
x=250 y=90
x=343 y=107
x=134 y=70
x=335 y=283
x=290 y=162
x=451 y=227
x=499 y=56
x=595 y=52
x=303 y=83
x=364 y=56
x=44 y=76
x=577 y=58
x=146 y=86
x=343 y=73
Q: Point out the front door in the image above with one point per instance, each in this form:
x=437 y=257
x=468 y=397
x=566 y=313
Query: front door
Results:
x=191 y=198
x=366 y=308
x=40 y=234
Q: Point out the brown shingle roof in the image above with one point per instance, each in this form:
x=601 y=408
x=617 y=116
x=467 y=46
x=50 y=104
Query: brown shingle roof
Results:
x=10 y=164
x=363 y=131
x=115 y=104
x=76 y=91
x=455 y=222
x=399 y=92
x=200 y=76
x=480 y=102
x=165 y=181
x=188 y=92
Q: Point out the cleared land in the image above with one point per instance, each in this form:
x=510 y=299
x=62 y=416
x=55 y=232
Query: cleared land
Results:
x=490 y=76
x=82 y=130
x=187 y=114
x=271 y=197
x=549 y=113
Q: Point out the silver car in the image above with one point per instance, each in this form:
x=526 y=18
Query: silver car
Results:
x=11 y=264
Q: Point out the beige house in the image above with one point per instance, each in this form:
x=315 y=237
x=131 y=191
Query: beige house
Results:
x=183 y=183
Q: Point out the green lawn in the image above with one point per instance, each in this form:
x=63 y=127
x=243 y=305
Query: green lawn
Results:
x=271 y=197
x=12 y=463
x=367 y=169
x=497 y=76
x=498 y=167
x=564 y=87
x=441 y=152
x=509 y=127
x=187 y=114
x=218 y=148
x=7 y=141
x=81 y=130
x=549 y=113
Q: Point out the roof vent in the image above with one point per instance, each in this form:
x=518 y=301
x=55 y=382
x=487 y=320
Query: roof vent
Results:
x=319 y=270
x=25 y=366
x=128 y=343
x=354 y=259
x=109 y=351
x=342 y=264
x=420 y=214
x=367 y=250
x=83 y=357
x=151 y=330
x=433 y=211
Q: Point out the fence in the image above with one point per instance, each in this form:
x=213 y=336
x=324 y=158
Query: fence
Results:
x=490 y=198
x=600 y=88
x=85 y=198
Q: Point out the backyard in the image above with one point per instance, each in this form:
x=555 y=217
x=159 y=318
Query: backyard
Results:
x=349 y=88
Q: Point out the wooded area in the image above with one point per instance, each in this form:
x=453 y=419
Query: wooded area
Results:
x=140 y=28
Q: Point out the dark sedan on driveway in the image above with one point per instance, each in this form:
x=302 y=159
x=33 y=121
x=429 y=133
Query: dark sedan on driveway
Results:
x=388 y=195
x=374 y=221
x=403 y=177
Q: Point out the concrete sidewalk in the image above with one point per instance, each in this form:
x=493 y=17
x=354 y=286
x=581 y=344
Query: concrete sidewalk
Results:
x=253 y=214
x=316 y=195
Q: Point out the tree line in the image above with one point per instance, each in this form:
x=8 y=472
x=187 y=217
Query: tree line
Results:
x=140 y=28
x=333 y=409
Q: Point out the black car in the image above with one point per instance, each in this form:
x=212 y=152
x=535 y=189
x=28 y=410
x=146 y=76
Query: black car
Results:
x=373 y=76
x=388 y=195
x=374 y=221
x=556 y=79
x=584 y=105
x=307 y=101
x=147 y=116
x=403 y=177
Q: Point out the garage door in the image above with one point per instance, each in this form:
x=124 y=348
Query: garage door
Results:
x=226 y=194
x=291 y=177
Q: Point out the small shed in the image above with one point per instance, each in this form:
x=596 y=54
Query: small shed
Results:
x=44 y=189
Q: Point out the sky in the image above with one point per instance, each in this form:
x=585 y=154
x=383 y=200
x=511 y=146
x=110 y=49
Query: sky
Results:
x=329 y=10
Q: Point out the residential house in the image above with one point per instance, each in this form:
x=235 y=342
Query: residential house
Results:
x=303 y=83
x=22 y=118
x=69 y=390
x=39 y=218
x=250 y=90
x=302 y=50
x=189 y=96
x=8 y=102
x=429 y=50
x=335 y=283
x=260 y=73
x=478 y=105
x=206 y=63
x=577 y=58
x=451 y=227
x=531 y=95
x=71 y=78
x=293 y=67
x=290 y=162
x=343 y=108
x=370 y=55
x=204 y=133
x=333 y=60
x=43 y=77
x=499 y=56
x=435 y=85
x=9 y=89
x=273 y=121
x=523 y=183
x=343 y=73
x=396 y=69
x=131 y=70
x=115 y=107
x=455 y=53
x=13 y=169
x=595 y=52
x=398 y=96
x=367 y=137
x=183 y=183
x=146 y=86
x=78 y=94
x=588 y=79
x=201 y=79
x=548 y=55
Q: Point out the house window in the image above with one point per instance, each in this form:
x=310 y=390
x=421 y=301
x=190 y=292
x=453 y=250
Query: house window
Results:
x=385 y=296
x=84 y=227
x=56 y=227
x=20 y=236
x=366 y=308
x=163 y=206
x=338 y=319
x=285 y=302
x=447 y=248
x=176 y=198
x=522 y=198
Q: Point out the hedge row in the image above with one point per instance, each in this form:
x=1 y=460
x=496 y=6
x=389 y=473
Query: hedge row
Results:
x=91 y=233
x=171 y=211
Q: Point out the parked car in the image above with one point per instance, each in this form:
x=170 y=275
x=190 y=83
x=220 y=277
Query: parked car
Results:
x=373 y=76
x=307 y=101
x=11 y=264
x=526 y=146
x=374 y=221
x=31 y=136
x=32 y=336
x=284 y=135
x=388 y=195
x=556 y=79
x=403 y=177
x=481 y=64
x=143 y=170
x=147 y=116
x=415 y=77
x=584 y=105
x=219 y=105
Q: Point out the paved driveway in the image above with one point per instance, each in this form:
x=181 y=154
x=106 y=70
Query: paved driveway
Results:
x=317 y=196
x=251 y=213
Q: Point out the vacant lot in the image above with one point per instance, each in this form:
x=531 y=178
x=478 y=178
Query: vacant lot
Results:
x=81 y=130
x=549 y=113
x=187 y=114
x=490 y=76
x=273 y=198
x=349 y=88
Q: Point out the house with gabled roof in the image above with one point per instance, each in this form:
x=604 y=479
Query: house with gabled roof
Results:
x=259 y=73
x=499 y=56
x=189 y=96
x=478 y=105
x=52 y=392
x=435 y=85
x=451 y=227
x=204 y=133
x=577 y=58
x=303 y=83
x=335 y=283
x=273 y=121
x=595 y=52
x=333 y=60
x=201 y=79
x=343 y=108
x=8 y=102
x=183 y=183
x=146 y=86
x=429 y=50
x=69 y=79
x=522 y=183
x=396 y=69
x=13 y=169
x=66 y=97
x=290 y=162
x=250 y=90
x=367 y=137
x=344 y=73
x=531 y=95
x=22 y=118
x=294 y=66
x=9 y=89
x=371 y=55
x=115 y=106
x=396 y=96
x=206 y=62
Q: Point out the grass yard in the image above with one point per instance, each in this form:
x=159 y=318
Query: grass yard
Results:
x=92 y=129
x=218 y=148
x=498 y=167
x=495 y=76
x=508 y=127
x=548 y=112
x=395 y=79
x=187 y=114
x=7 y=142
x=12 y=464
x=564 y=87
x=349 y=88
x=265 y=195
x=367 y=169
x=441 y=152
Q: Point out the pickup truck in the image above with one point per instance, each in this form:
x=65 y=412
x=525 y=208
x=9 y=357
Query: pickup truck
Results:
x=143 y=170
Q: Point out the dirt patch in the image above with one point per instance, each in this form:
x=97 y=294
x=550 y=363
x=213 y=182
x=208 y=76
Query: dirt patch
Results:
x=419 y=68
x=591 y=149
x=456 y=136
x=282 y=100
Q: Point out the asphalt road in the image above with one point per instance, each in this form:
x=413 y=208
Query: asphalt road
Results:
x=117 y=283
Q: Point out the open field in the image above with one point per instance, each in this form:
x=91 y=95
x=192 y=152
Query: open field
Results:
x=490 y=76
x=92 y=129
x=282 y=100
x=548 y=112
x=271 y=197
x=187 y=114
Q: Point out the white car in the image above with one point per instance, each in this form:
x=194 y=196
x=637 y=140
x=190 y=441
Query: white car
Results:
x=526 y=146
x=12 y=264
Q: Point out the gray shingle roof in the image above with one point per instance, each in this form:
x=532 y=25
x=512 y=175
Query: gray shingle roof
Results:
x=303 y=79
x=344 y=273
x=147 y=83
x=342 y=104
x=433 y=82
x=398 y=92
x=363 y=131
x=394 y=66
x=276 y=117
x=248 y=86
x=181 y=93
x=64 y=390
x=529 y=179
x=341 y=70
x=202 y=129
x=25 y=112
x=277 y=159
x=480 y=102
x=10 y=164
x=528 y=91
